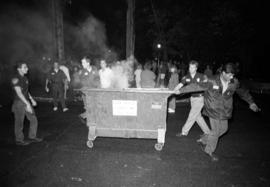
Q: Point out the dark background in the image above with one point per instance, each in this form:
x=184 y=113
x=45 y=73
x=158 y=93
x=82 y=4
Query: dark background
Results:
x=209 y=31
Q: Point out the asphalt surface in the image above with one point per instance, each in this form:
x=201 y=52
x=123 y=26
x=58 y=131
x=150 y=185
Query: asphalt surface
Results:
x=63 y=159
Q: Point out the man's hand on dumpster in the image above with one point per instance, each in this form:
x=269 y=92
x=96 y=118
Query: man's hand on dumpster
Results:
x=254 y=107
x=177 y=88
x=177 y=92
x=47 y=89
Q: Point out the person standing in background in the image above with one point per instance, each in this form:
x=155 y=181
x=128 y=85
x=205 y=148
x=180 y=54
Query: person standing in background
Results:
x=67 y=81
x=161 y=75
x=173 y=82
x=208 y=71
x=57 y=79
x=137 y=74
x=105 y=75
x=148 y=77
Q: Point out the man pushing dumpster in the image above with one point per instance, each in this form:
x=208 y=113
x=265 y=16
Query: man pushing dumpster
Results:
x=89 y=78
x=218 y=105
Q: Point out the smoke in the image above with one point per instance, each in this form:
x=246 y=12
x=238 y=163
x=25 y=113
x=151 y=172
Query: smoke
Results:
x=24 y=35
x=28 y=35
x=88 y=38
x=122 y=74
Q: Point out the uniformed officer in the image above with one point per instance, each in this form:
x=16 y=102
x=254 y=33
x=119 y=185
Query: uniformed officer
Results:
x=196 y=100
x=22 y=106
x=89 y=78
x=57 y=79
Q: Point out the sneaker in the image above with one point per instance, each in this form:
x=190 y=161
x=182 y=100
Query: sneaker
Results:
x=23 y=143
x=36 y=139
x=180 y=135
x=171 y=110
x=55 y=108
x=214 y=158
x=65 y=109
x=201 y=141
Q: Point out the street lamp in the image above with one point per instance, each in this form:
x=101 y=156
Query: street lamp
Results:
x=158 y=48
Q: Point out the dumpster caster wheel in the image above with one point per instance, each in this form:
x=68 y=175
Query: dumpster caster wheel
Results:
x=90 y=144
x=159 y=146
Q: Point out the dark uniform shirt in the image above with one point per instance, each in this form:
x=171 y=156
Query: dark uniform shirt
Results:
x=23 y=83
x=57 y=78
x=198 y=78
x=90 y=79
x=218 y=105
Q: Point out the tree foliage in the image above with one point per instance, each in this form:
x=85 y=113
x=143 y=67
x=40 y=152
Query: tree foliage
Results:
x=211 y=30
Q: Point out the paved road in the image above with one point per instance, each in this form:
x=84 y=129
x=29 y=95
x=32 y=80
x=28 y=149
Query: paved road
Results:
x=63 y=159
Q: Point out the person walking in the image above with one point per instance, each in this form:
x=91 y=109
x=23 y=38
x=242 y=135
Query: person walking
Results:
x=57 y=79
x=196 y=101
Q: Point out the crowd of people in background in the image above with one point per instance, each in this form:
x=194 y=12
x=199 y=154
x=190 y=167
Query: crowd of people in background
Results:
x=148 y=74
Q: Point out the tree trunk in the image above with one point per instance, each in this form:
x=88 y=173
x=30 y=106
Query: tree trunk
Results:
x=130 y=33
x=58 y=29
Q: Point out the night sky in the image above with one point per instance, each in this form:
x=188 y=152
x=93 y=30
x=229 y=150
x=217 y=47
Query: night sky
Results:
x=208 y=31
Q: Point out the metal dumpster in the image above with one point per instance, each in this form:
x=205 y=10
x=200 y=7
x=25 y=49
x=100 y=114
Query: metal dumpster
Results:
x=128 y=113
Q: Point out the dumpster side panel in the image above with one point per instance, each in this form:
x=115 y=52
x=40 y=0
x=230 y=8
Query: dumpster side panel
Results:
x=113 y=117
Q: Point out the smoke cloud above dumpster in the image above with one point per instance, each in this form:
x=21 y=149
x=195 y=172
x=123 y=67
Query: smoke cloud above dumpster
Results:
x=122 y=73
x=28 y=34
x=88 y=38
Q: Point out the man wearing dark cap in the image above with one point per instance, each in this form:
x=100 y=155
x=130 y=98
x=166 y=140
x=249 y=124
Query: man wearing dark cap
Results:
x=218 y=105
x=22 y=106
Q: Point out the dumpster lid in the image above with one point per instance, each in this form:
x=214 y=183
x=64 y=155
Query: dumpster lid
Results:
x=140 y=90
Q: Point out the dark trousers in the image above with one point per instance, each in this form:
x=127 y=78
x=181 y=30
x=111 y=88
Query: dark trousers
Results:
x=58 y=95
x=218 y=128
x=18 y=108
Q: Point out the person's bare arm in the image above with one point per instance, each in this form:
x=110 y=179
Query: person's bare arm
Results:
x=19 y=93
x=34 y=103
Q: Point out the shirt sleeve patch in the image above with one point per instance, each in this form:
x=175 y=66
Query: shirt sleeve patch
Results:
x=15 y=81
x=216 y=87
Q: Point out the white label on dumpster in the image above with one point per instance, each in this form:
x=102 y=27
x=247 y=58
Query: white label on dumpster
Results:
x=156 y=105
x=124 y=108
